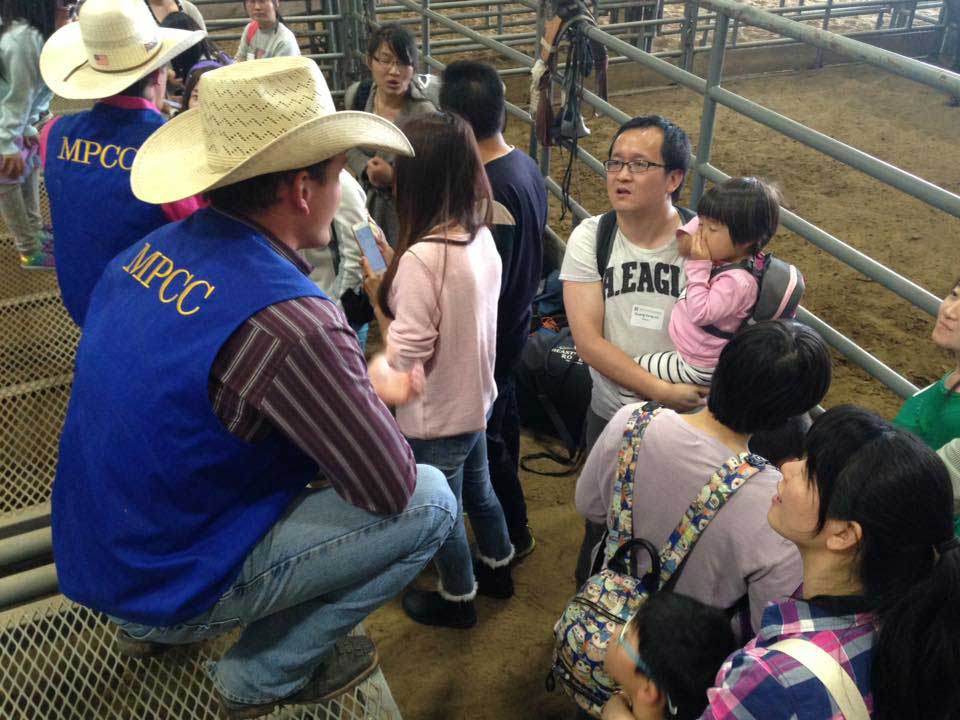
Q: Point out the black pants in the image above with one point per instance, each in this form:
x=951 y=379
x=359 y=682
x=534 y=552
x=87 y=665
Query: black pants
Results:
x=503 y=456
x=592 y=532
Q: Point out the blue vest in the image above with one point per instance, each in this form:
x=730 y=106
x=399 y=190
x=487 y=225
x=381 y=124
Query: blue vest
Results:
x=95 y=214
x=155 y=504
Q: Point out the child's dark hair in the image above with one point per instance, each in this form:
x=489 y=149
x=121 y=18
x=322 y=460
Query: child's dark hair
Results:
x=398 y=39
x=898 y=490
x=748 y=206
x=780 y=444
x=768 y=373
x=203 y=50
x=684 y=642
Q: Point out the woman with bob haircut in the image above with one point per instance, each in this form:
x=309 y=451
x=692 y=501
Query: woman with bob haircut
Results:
x=437 y=308
x=870 y=510
x=768 y=373
x=396 y=93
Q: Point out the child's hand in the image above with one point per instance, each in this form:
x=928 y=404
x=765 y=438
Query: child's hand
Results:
x=699 y=250
x=617 y=708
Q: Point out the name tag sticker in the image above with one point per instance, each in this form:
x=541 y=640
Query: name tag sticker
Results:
x=644 y=316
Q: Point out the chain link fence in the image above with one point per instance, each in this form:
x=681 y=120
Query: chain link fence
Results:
x=60 y=662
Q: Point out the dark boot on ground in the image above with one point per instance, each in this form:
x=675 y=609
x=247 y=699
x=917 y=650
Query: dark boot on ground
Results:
x=493 y=582
x=351 y=661
x=430 y=608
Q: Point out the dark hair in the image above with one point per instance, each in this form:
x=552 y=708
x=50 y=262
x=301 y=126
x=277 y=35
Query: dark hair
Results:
x=260 y=193
x=684 y=642
x=443 y=183
x=398 y=39
x=748 y=206
x=676 y=145
x=865 y=470
x=203 y=50
x=140 y=86
x=474 y=91
x=768 y=373
x=39 y=14
x=783 y=443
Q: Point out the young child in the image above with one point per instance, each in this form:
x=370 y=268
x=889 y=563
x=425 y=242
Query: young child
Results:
x=24 y=99
x=265 y=36
x=735 y=222
x=665 y=658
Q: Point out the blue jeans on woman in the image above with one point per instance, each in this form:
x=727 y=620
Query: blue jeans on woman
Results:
x=463 y=459
x=318 y=572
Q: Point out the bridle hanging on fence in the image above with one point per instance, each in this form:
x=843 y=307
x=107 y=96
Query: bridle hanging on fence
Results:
x=568 y=20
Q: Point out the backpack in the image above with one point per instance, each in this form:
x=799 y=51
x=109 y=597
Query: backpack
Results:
x=610 y=598
x=781 y=289
x=607 y=232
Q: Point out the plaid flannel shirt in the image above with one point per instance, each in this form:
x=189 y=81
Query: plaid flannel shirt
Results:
x=768 y=685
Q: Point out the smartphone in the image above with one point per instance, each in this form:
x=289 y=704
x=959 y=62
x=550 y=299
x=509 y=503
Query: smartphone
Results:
x=368 y=246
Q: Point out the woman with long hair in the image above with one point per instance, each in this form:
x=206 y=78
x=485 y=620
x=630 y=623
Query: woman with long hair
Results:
x=437 y=307
x=24 y=100
x=870 y=509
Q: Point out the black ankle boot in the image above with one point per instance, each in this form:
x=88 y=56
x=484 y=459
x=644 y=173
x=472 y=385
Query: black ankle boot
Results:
x=493 y=582
x=429 y=608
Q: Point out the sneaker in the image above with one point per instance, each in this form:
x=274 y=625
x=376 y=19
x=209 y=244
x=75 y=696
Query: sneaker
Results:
x=129 y=647
x=430 y=608
x=38 y=260
x=493 y=582
x=523 y=545
x=351 y=661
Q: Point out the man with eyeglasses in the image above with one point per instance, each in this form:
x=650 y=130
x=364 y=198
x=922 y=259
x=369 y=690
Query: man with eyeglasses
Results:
x=622 y=310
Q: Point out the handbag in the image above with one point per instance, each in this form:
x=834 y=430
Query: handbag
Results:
x=611 y=597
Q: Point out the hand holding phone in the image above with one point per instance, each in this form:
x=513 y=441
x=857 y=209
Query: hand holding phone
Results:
x=368 y=246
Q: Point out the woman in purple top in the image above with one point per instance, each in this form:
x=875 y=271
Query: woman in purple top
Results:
x=870 y=509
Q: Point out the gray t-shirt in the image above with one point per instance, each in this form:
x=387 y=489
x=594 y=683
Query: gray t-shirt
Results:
x=640 y=288
x=279 y=41
x=738 y=553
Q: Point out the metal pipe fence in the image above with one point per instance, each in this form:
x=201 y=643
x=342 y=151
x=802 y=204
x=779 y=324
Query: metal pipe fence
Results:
x=790 y=31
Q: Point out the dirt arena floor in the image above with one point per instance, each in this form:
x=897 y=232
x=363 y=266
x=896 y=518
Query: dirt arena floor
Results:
x=497 y=670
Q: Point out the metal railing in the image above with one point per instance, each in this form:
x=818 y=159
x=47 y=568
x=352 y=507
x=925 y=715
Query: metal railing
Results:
x=719 y=14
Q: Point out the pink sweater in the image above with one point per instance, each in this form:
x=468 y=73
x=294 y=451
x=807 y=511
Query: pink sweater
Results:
x=444 y=298
x=725 y=301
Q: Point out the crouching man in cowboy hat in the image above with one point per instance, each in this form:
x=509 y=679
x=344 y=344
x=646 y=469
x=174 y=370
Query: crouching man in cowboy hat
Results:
x=214 y=381
x=118 y=55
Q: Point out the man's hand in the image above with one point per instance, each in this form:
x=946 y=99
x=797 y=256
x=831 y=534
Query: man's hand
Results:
x=617 y=708
x=379 y=172
x=12 y=166
x=681 y=397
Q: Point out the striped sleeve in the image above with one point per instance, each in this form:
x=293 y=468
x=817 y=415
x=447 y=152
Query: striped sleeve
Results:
x=297 y=365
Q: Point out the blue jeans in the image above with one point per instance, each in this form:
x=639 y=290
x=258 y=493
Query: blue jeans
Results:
x=320 y=570
x=463 y=459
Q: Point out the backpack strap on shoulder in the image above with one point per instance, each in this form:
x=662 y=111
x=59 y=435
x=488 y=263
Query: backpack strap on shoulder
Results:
x=832 y=675
x=722 y=485
x=606 y=232
x=252 y=30
x=750 y=265
x=620 y=514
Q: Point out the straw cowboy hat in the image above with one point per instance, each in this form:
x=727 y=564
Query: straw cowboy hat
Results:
x=113 y=44
x=254 y=118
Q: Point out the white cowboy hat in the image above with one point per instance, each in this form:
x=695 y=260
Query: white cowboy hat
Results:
x=254 y=118
x=113 y=44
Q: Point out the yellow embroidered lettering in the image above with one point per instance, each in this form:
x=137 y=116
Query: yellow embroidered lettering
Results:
x=161 y=270
x=144 y=265
x=187 y=290
x=123 y=163
x=138 y=262
x=103 y=156
x=169 y=279
x=88 y=150
x=68 y=152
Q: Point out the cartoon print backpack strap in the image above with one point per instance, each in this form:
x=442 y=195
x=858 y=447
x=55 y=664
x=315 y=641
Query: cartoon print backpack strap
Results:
x=728 y=478
x=620 y=514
